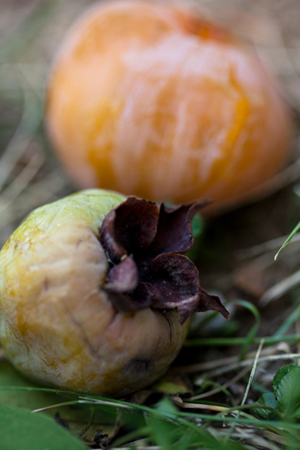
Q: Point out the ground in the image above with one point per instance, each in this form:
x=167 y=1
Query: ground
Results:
x=235 y=252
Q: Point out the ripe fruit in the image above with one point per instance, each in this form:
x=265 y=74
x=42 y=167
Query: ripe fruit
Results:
x=147 y=99
x=105 y=318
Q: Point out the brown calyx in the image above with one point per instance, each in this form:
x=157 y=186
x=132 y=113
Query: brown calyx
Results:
x=144 y=244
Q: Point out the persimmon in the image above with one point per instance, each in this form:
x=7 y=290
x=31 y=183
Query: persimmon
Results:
x=95 y=291
x=151 y=100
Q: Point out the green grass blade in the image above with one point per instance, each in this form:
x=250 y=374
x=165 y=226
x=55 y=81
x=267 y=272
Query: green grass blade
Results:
x=295 y=230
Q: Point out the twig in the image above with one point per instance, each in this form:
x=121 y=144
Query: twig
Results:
x=265 y=247
x=224 y=386
x=21 y=181
x=281 y=288
x=248 y=362
x=35 y=195
x=178 y=401
x=23 y=135
x=200 y=367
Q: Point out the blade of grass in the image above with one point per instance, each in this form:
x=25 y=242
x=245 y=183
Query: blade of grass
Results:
x=182 y=418
x=245 y=342
x=224 y=341
x=289 y=238
x=248 y=387
x=133 y=435
x=254 y=328
x=57 y=405
x=289 y=321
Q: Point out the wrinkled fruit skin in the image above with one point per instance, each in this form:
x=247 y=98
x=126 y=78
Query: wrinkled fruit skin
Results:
x=56 y=326
x=149 y=100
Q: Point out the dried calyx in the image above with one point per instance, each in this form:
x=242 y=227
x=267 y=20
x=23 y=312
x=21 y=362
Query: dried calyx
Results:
x=144 y=244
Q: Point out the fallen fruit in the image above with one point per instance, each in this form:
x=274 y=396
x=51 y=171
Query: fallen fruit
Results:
x=150 y=100
x=95 y=292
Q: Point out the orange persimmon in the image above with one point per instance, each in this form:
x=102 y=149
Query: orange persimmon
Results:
x=147 y=99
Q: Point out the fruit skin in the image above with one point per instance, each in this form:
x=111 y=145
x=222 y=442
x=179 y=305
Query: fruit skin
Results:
x=56 y=325
x=149 y=100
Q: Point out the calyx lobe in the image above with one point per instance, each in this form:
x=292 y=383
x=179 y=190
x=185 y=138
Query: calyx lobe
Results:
x=144 y=244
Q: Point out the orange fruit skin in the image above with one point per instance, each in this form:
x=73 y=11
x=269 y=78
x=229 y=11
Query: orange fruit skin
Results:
x=148 y=100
